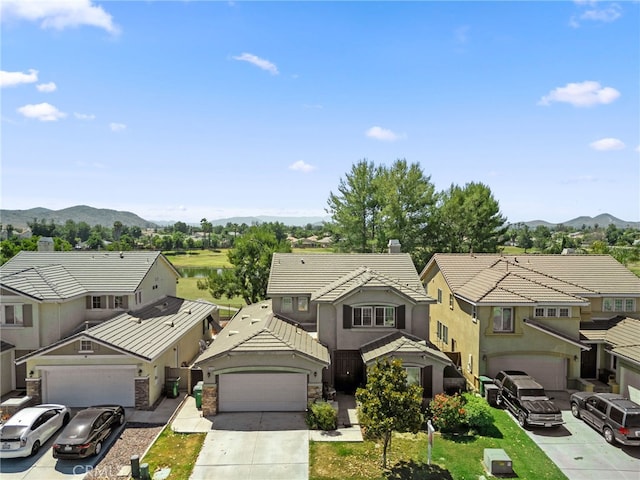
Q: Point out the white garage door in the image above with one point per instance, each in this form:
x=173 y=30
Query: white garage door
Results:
x=629 y=383
x=550 y=372
x=85 y=386
x=269 y=392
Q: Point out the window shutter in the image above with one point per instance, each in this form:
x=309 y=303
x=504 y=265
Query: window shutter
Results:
x=125 y=301
x=103 y=301
x=400 y=323
x=27 y=315
x=89 y=302
x=346 y=316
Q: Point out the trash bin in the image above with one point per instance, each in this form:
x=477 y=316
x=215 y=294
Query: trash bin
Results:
x=197 y=394
x=483 y=380
x=171 y=387
x=491 y=394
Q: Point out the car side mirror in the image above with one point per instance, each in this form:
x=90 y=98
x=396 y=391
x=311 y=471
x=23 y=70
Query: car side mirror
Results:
x=551 y=398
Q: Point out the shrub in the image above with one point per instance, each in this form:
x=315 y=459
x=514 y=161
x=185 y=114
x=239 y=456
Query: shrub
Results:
x=321 y=416
x=448 y=412
x=477 y=413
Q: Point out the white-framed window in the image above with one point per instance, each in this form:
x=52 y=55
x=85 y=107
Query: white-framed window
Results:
x=618 y=304
x=362 y=316
x=118 y=301
x=563 y=312
x=439 y=296
x=385 y=317
x=96 y=302
x=413 y=375
x=503 y=319
x=443 y=332
x=11 y=315
x=474 y=313
x=439 y=330
x=374 y=316
x=451 y=301
x=555 y=312
x=139 y=297
x=287 y=304
x=538 y=312
x=303 y=304
x=86 y=346
x=552 y=312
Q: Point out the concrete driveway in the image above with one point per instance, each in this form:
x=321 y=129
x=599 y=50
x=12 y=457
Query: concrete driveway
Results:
x=581 y=452
x=255 y=446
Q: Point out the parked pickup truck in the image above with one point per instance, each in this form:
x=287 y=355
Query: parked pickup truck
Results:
x=526 y=400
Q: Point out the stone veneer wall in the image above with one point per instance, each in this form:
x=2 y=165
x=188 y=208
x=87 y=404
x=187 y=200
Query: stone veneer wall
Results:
x=314 y=392
x=142 y=393
x=209 y=400
x=34 y=390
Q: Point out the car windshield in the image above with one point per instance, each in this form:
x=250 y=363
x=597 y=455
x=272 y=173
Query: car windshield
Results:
x=633 y=420
x=532 y=392
x=12 y=431
x=78 y=428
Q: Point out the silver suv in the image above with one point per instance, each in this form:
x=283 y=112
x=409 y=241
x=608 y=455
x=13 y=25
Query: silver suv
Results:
x=616 y=417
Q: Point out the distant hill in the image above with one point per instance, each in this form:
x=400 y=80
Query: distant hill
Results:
x=603 y=220
x=79 y=213
x=288 y=221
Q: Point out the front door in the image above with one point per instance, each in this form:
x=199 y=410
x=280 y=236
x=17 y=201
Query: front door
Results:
x=588 y=362
x=348 y=370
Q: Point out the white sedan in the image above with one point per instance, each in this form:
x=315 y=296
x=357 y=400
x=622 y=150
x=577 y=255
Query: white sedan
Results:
x=25 y=432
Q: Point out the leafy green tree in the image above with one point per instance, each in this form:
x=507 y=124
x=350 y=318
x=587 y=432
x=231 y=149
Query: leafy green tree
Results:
x=388 y=403
x=356 y=209
x=469 y=220
x=524 y=238
x=207 y=228
x=251 y=260
x=94 y=242
x=117 y=230
x=84 y=231
x=541 y=237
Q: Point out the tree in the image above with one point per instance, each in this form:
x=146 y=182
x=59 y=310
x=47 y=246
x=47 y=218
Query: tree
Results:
x=524 y=238
x=469 y=220
x=117 y=230
x=251 y=260
x=388 y=404
x=207 y=228
x=355 y=208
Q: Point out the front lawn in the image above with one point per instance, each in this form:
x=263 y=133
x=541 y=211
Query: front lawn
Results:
x=453 y=457
x=178 y=451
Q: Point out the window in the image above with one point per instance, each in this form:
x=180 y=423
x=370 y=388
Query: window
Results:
x=362 y=316
x=9 y=315
x=118 y=301
x=538 y=312
x=96 y=302
x=287 y=304
x=303 y=304
x=385 y=317
x=502 y=319
x=552 y=312
x=86 y=346
x=439 y=296
x=451 y=301
x=439 y=330
x=138 y=297
x=413 y=375
x=563 y=312
x=616 y=415
x=618 y=304
x=374 y=316
x=443 y=333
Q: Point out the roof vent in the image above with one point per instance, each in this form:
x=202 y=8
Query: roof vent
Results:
x=246 y=315
x=394 y=246
x=170 y=324
x=254 y=320
x=233 y=332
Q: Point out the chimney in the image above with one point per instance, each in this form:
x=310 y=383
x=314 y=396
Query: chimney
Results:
x=394 y=246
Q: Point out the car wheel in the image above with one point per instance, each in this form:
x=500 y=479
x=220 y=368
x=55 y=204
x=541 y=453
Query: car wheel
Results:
x=575 y=410
x=121 y=420
x=608 y=435
x=98 y=448
x=522 y=420
x=35 y=447
x=499 y=401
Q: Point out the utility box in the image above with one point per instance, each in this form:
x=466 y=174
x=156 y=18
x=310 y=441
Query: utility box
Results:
x=491 y=394
x=483 y=381
x=497 y=462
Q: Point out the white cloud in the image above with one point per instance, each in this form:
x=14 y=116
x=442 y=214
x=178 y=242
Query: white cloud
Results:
x=47 y=87
x=84 y=116
x=58 y=14
x=11 y=79
x=591 y=12
x=300 y=166
x=607 y=144
x=258 y=62
x=383 y=134
x=44 y=112
x=117 y=127
x=585 y=94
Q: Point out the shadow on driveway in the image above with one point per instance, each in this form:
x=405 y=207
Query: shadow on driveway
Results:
x=259 y=421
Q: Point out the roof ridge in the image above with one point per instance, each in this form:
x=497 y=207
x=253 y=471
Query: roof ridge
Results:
x=549 y=286
x=544 y=274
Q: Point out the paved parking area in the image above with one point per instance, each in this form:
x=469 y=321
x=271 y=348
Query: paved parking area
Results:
x=255 y=446
x=581 y=452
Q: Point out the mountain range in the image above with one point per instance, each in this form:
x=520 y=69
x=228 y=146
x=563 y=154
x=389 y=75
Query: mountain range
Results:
x=106 y=217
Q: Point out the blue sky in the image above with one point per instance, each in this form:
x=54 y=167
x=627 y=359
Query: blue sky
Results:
x=184 y=110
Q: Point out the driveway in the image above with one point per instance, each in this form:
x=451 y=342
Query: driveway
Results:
x=581 y=452
x=255 y=446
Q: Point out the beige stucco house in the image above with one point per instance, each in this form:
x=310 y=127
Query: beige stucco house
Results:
x=122 y=360
x=46 y=296
x=529 y=312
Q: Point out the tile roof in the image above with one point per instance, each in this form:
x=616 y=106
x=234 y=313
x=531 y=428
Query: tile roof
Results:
x=255 y=329
x=148 y=332
x=62 y=275
x=558 y=279
x=400 y=343
x=596 y=330
x=4 y=346
x=554 y=333
x=624 y=339
x=327 y=275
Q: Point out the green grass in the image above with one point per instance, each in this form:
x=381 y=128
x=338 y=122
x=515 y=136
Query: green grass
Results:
x=453 y=457
x=178 y=451
x=199 y=258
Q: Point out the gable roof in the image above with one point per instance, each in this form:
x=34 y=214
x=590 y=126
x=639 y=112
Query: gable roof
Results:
x=255 y=329
x=145 y=333
x=399 y=343
x=63 y=275
x=624 y=339
x=332 y=275
x=557 y=279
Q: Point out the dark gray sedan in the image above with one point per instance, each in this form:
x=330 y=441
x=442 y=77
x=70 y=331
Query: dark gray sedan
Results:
x=87 y=431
